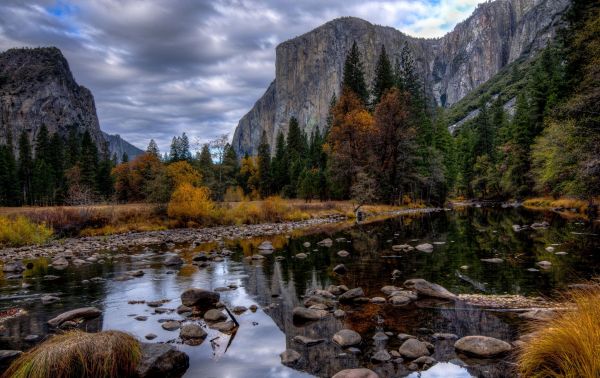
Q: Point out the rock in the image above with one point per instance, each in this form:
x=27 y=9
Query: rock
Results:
x=444 y=336
x=182 y=309
x=539 y=314
x=381 y=356
x=413 y=348
x=493 y=260
x=402 y=248
x=79 y=313
x=561 y=253
x=60 y=262
x=428 y=289
x=482 y=346
x=301 y=256
x=316 y=300
x=200 y=257
x=346 y=338
x=516 y=228
x=171 y=325
x=253 y=308
x=544 y=264
x=307 y=340
x=405 y=336
x=302 y=313
x=290 y=357
x=150 y=336
x=425 y=361
x=48 y=299
x=141 y=318
x=378 y=300
x=199 y=297
x=223 y=326
x=388 y=290
x=356 y=373
x=214 y=315
x=340 y=269
x=173 y=260
x=400 y=300
x=266 y=246
x=426 y=247
x=380 y=336
x=325 y=243
x=550 y=249
x=31 y=338
x=339 y=313
x=161 y=360
x=343 y=253
x=464 y=267
x=50 y=277
x=192 y=331
x=13 y=267
x=351 y=294
x=306 y=244
x=239 y=309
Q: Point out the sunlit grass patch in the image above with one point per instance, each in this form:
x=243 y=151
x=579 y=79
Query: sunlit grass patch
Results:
x=17 y=231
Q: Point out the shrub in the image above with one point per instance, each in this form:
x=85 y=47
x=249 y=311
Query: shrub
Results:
x=189 y=203
x=78 y=354
x=21 y=231
x=234 y=194
x=568 y=345
x=273 y=209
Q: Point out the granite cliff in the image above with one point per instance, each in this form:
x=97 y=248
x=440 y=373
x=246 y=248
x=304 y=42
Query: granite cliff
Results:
x=117 y=146
x=308 y=68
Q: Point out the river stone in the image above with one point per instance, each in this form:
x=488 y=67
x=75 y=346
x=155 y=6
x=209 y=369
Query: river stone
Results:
x=352 y=294
x=182 y=309
x=171 y=325
x=400 y=300
x=343 y=253
x=173 y=260
x=60 y=261
x=544 y=264
x=339 y=313
x=223 y=326
x=493 y=260
x=356 y=373
x=161 y=360
x=13 y=267
x=192 y=331
x=378 y=300
x=266 y=246
x=307 y=340
x=199 y=297
x=428 y=289
x=346 y=338
x=239 y=309
x=340 y=269
x=325 y=243
x=302 y=313
x=444 y=336
x=150 y=336
x=380 y=336
x=425 y=361
x=214 y=315
x=482 y=346
x=381 y=356
x=306 y=244
x=141 y=318
x=79 y=313
x=550 y=249
x=425 y=247
x=388 y=290
x=402 y=248
x=316 y=300
x=200 y=257
x=290 y=357
x=413 y=348
x=48 y=299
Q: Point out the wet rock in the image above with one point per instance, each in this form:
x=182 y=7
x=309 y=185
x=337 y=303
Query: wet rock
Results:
x=402 y=248
x=317 y=299
x=444 y=336
x=79 y=313
x=199 y=297
x=222 y=288
x=60 y=262
x=266 y=246
x=200 y=257
x=31 y=338
x=381 y=356
x=258 y=257
x=550 y=249
x=425 y=247
x=378 y=300
x=339 y=313
x=13 y=267
x=346 y=338
x=7 y=356
x=428 y=289
x=343 y=253
x=380 y=336
x=482 y=346
x=171 y=325
x=356 y=373
x=307 y=340
x=325 y=243
x=306 y=244
x=253 y=308
x=150 y=336
x=351 y=294
x=400 y=300
x=156 y=303
x=214 y=315
x=544 y=264
x=192 y=331
x=302 y=313
x=162 y=310
x=161 y=360
x=301 y=255
x=405 y=336
x=425 y=362
x=173 y=260
x=340 y=269
x=141 y=318
x=182 y=309
x=136 y=273
x=239 y=309
x=561 y=253
x=388 y=290
x=223 y=326
x=413 y=348
x=48 y=299
x=290 y=357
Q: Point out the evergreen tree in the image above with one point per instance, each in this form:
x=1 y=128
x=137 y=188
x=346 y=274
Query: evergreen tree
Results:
x=104 y=180
x=205 y=166
x=384 y=76
x=175 y=151
x=9 y=180
x=296 y=151
x=407 y=78
x=73 y=149
x=153 y=149
x=231 y=167
x=25 y=168
x=329 y=120
x=280 y=164
x=264 y=166
x=56 y=161
x=124 y=157
x=354 y=76
x=184 y=148
x=42 y=179
x=88 y=163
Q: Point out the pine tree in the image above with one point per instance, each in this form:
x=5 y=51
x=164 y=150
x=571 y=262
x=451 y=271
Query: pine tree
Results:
x=231 y=167
x=205 y=166
x=88 y=162
x=153 y=149
x=354 y=76
x=296 y=148
x=25 y=168
x=329 y=120
x=73 y=149
x=264 y=166
x=125 y=157
x=384 y=76
x=174 y=153
x=57 y=165
x=184 y=146
x=104 y=180
x=42 y=180
x=9 y=180
x=407 y=78
x=280 y=164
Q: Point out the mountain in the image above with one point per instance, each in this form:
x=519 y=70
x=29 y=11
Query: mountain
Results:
x=37 y=87
x=309 y=68
x=117 y=146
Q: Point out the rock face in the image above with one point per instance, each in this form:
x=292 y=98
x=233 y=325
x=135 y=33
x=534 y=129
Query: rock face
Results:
x=37 y=87
x=117 y=146
x=309 y=68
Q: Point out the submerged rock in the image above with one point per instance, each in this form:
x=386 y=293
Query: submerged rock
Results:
x=214 y=315
x=428 y=289
x=192 y=331
x=162 y=360
x=173 y=260
x=79 y=313
x=352 y=294
x=413 y=348
x=290 y=357
x=302 y=313
x=199 y=297
x=425 y=247
x=482 y=346
x=347 y=337
x=171 y=325
x=356 y=373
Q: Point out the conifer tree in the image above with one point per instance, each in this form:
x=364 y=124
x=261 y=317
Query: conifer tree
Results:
x=354 y=76
x=153 y=149
x=264 y=166
x=384 y=76
x=280 y=164
x=9 y=180
x=25 y=168
x=124 y=157
x=205 y=165
x=42 y=178
x=231 y=167
x=89 y=161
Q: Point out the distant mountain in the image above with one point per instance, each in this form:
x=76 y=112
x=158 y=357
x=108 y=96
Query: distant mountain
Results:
x=37 y=87
x=309 y=68
x=117 y=146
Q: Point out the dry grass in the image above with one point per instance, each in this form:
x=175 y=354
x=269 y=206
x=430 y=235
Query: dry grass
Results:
x=19 y=230
x=568 y=345
x=78 y=354
x=546 y=203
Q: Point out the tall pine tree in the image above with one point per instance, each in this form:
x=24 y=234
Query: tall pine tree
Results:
x=264 y=166
x=354 y=75
x=384 y=76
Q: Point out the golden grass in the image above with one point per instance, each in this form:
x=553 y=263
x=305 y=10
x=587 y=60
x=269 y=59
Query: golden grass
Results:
x=78 y=354
x=545 y=203
x=568 y=345
x=19 y=230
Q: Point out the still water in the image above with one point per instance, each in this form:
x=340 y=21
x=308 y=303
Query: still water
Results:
x=276 y=285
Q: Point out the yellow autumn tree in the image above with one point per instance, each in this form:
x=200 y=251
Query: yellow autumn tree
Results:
x=189 y=203
x=182 y=172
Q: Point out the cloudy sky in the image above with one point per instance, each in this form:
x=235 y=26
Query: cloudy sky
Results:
x=161 y=67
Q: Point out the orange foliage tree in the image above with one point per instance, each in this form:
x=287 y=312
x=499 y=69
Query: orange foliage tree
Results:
x=133 y=178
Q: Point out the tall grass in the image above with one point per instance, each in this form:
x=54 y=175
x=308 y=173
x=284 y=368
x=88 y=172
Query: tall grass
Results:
x=78 y=354
x=557 y=203
x=568 y=345
x=17 y=231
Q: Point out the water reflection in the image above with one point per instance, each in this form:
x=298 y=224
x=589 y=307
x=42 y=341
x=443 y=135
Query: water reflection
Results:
x=277 y=283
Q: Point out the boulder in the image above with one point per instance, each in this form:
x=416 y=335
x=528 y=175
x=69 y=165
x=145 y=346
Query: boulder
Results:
x=162 y=360
x=482 y=346
x=223 y=326
x=266 y=246
x=425 y=247
x=343 y=253
x=199 y=297
x=356 y=373
x=325 y=243
x=346 y=338
x=173 y=260
x=352 y=294
x=290 y=357
x=214 y=315
x=400 y=300
x=381 y=356
x=78 y=313
x=428 y=289
x=388 y=290
x=307 y=340
x=171 y=325
x=302 y=313
x=192 y=331
x=413 y=348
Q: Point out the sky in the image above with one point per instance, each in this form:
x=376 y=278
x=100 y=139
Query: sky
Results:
x=158 y=68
